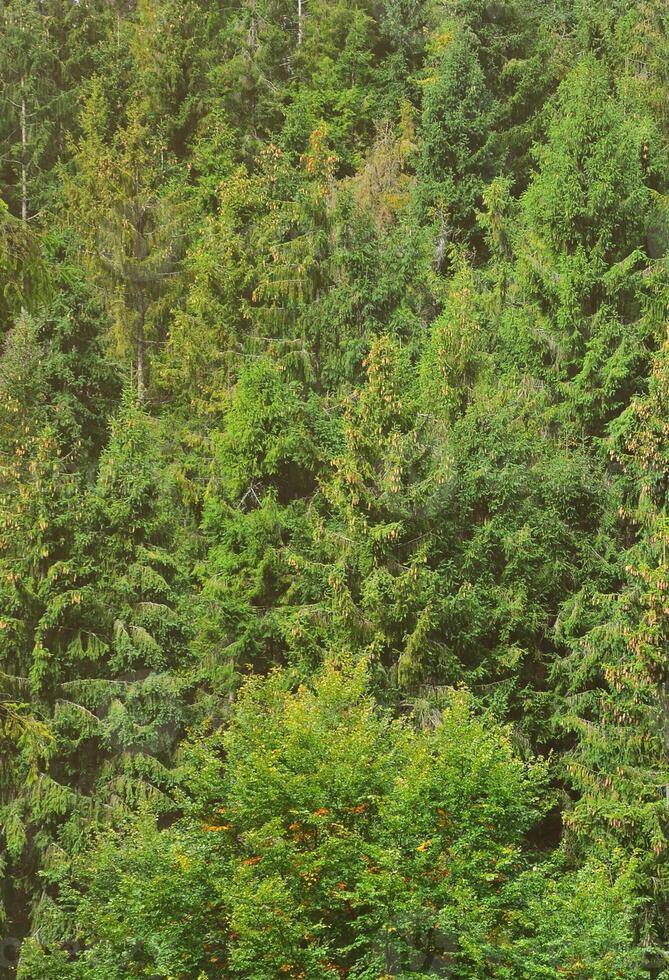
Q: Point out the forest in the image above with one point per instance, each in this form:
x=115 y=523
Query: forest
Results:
x=334 y=486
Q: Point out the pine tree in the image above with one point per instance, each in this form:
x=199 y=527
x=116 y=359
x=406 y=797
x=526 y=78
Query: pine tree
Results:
x=140 y=688
x=56 y=391
x=93 y=648
x=263 y=470
x=171 y=44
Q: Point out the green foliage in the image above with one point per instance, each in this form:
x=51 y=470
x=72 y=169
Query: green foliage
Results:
x=335 y=842
x=457 y=131
x=23 y=278
x=617 y=697
x=333 y=399
x=587 y=213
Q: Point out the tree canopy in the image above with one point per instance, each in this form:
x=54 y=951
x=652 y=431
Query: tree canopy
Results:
x=334 y=473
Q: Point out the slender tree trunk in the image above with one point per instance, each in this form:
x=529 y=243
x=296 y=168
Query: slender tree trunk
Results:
x=24 y=154
x=300 y=23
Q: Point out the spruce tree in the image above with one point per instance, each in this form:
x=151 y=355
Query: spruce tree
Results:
x=590 y=291
x=132 y=231
x=617 y=679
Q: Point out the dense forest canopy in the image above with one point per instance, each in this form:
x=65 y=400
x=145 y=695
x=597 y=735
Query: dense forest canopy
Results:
x=334 y=473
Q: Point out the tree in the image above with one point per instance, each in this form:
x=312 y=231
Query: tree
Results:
x=172 y=51
x=616 y=677
x=23 y=277
x=27 y=56
x=582 y=262
x=320 y=836
x=132 y=231
x=46 y=436
x=324 y=863
x=457 y=132
x=264 y=464
x=381 y=580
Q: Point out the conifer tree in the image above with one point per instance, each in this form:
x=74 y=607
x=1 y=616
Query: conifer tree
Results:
x=264 y=467
x=171 y=45
x=617 y=677
x=140 y=686
x=27 y=57
x=23 y=273
x=368 y=574
x=92 y=640
x=582 y=262
x=457 y=134
x=131 y=229
x=45 y=571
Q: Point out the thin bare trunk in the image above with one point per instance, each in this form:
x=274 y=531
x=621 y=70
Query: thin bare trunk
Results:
x=299 y=21
x=24 y=154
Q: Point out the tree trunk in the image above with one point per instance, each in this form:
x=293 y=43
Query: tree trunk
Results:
x=24 y=155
